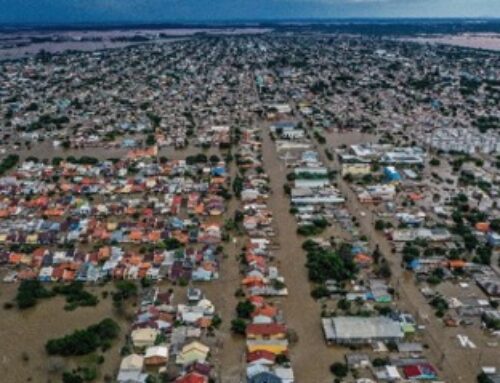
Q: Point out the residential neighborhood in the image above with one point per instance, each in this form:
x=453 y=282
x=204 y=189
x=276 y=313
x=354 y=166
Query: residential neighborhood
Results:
x=282 y=205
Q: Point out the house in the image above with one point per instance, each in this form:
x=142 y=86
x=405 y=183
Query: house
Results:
x=156 y=356
x=357 y=360
x=410 y=348
x=131 y=369
x=388 y=373
x=285 y=374
x=276 y=346
x=194 y=294
x=192 y=377
x=420 y=371
x=292 y=134
x=264 y=377
x=190 y=314
x=144 y=337
x=494 y=239
x=261 y=357
x=489 y=284
x=355 y=169
x=266 y=331
x=256 y=369
x=379 y=291
x=193 y=352
x=391 y=174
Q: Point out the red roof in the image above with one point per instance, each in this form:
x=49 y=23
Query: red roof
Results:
x=420 y=369
x=265 y=329
x=256 y=300
x=260 y=354
x=192 y=377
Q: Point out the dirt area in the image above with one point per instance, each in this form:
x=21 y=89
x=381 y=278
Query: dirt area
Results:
x=490 y=41
x=23 y=335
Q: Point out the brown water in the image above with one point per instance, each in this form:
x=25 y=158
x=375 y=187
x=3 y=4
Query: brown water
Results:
x=310 y=357
x=489 y=41
x=229 y=355
x=26 y=332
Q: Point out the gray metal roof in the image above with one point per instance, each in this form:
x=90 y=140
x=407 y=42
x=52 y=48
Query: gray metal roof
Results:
x=345 y=328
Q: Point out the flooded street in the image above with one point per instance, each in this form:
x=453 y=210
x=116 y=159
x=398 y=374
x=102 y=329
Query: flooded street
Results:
x=229 y=357
x=311 y=357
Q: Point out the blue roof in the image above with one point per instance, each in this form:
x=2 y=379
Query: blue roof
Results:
x=415 y=264
x=264 y=377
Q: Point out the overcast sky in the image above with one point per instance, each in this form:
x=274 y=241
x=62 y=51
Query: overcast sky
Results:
x=50 y=11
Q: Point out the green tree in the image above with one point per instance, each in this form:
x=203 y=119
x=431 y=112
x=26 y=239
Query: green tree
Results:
x=245 y=309
x=83 y=342
x=69 y=377
x=338 y=369
x=28 y=293
x=150 y=140
x=379 y=225
x=238 y=326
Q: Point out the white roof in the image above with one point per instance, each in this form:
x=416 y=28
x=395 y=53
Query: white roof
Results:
x=284 y=373
x=132 y=362
x=161 y=351
x=392 y=372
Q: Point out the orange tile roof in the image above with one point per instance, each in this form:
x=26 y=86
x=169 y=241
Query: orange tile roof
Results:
x=154 y=236
x=483 y=226
x=135 y=235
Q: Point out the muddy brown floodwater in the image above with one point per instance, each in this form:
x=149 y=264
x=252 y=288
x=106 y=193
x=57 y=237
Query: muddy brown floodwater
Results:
x=23 y=335
x=488 y=41
x=310 y=357
x=228 y=358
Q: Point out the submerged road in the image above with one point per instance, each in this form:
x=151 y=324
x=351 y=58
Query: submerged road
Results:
x=310 y=357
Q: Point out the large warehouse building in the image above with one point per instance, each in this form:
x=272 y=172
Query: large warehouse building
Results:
x=361 y=330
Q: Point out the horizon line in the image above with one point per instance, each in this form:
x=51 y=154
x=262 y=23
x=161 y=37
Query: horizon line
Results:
x=239 y=21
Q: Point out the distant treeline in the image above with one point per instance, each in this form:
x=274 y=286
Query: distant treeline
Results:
x=400 y=27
